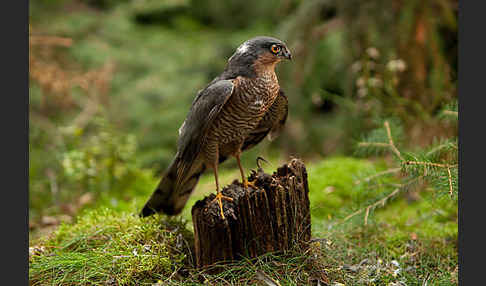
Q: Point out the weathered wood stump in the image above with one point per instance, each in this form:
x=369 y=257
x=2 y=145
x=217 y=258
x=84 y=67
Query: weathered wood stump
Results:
x=274 y=217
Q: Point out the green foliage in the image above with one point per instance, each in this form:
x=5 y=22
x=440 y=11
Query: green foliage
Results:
x=96 y=160
x=434 y=167
x=437 y=163
x=105 y=158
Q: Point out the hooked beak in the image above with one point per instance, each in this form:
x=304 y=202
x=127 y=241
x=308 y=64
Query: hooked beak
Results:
x=286 y=54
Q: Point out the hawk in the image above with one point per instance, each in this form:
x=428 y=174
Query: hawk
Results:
x=233 y=113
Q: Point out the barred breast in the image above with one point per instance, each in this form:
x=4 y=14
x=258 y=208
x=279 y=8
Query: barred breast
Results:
x=241 y=114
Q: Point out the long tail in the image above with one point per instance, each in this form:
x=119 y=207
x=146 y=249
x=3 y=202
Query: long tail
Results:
x=174 y=189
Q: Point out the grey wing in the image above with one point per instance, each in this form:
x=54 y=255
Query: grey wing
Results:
x=205 y=107
x=271 y=124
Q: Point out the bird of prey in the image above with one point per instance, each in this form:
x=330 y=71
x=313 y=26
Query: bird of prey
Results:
x=233 y=113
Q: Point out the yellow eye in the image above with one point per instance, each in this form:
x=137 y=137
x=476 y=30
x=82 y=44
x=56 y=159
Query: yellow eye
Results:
x=275 y=49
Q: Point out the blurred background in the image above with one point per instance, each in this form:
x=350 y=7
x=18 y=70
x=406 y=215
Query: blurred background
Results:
x=110 y=83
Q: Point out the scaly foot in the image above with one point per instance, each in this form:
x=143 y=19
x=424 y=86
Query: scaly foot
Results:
x=247 y=184
x=219 y=197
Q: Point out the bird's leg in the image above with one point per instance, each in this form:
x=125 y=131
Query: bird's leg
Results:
x=219 y=197
x=243 y=177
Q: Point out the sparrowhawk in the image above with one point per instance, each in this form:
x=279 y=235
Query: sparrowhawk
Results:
x=235 y=112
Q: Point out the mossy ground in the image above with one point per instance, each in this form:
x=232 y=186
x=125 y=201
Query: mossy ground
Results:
x=406 y=241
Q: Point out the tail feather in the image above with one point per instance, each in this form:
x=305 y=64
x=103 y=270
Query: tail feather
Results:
x=174 y=189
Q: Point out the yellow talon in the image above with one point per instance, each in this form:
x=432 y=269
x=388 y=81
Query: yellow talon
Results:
x=246 y=184
x=219 y=197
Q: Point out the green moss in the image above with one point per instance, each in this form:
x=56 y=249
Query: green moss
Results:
x=104 y=245
x=332 y=185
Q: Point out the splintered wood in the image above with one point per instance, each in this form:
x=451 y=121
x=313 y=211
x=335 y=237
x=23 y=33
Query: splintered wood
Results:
x=274 y=216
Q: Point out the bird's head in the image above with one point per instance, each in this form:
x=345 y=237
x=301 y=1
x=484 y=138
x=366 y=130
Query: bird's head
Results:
x=262 y=51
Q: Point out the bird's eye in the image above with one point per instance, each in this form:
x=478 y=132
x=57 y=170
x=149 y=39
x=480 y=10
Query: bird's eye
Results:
x=275 y=49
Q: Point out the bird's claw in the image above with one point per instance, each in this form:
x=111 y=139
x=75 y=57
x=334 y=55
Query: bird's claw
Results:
x=219 y=198
x=247 y=184
x=258 y=159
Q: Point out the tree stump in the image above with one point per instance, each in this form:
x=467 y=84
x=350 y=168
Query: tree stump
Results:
x=274 y=217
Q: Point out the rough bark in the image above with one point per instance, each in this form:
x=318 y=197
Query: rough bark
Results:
x=274 y=217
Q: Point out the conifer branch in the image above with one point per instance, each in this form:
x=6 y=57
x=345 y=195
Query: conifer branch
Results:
x=390 y=141
x=450 y=181
x=414 y=173
x=430 y=164
x=382 y=202
x=379 y=174
x=446 y=166
x=441 y=146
